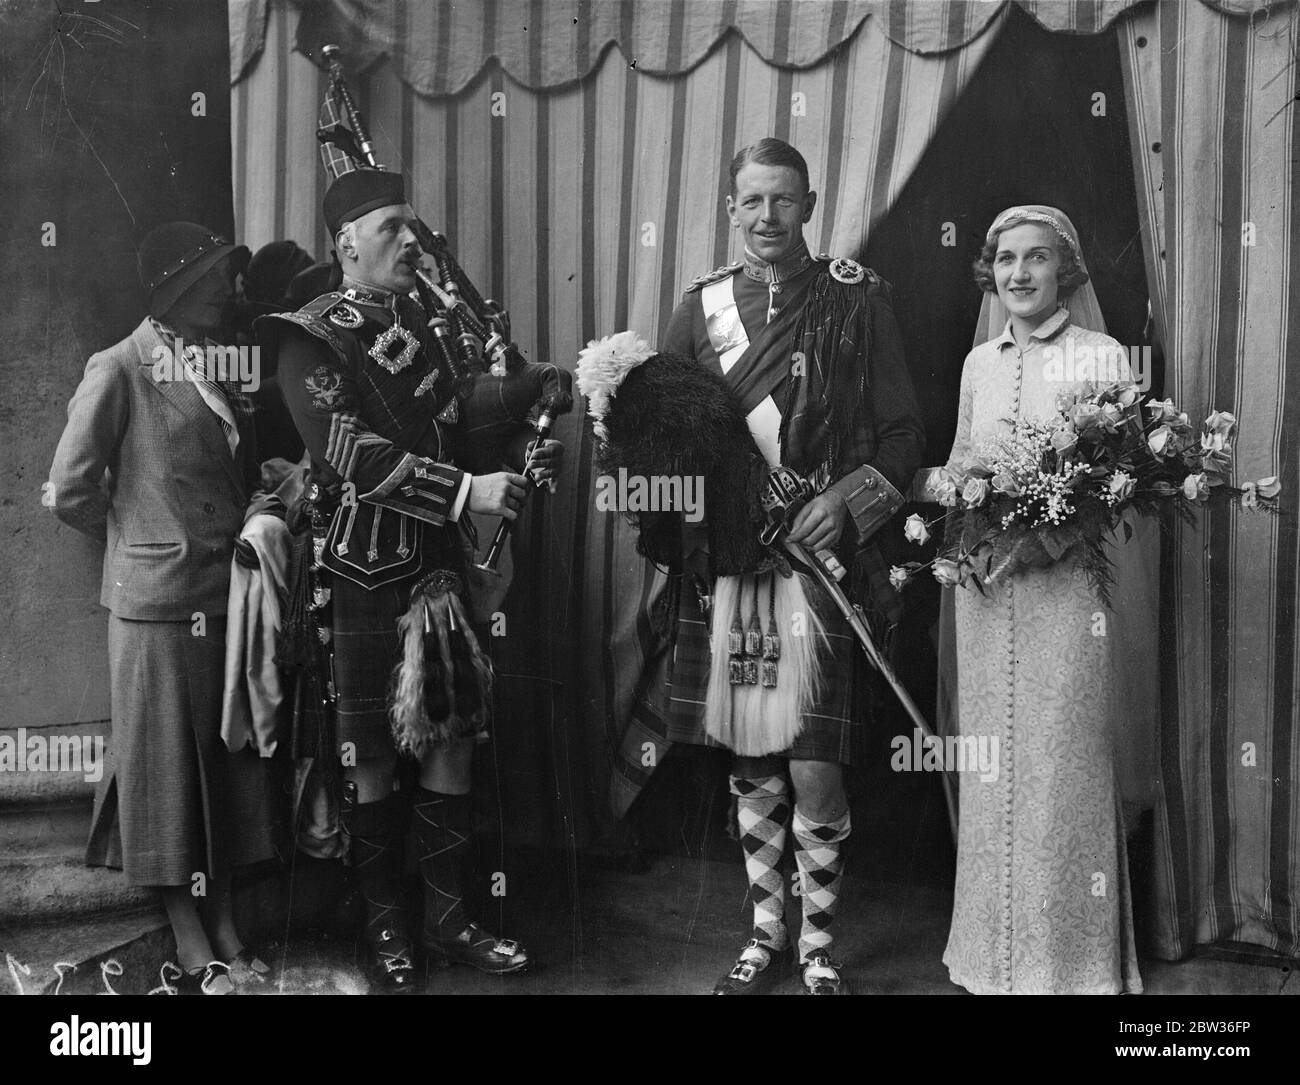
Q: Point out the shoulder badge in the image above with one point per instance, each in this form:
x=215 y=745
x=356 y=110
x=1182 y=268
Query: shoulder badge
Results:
x=713 y=276
x=844 y=270
x=346 y=316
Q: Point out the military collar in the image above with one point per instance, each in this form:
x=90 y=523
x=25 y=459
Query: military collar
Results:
x=365 y=294
x=786 y=268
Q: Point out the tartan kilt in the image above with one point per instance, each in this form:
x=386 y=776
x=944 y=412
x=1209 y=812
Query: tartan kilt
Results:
x=829 y=724
x=367 y=647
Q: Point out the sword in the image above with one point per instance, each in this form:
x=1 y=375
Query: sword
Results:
x=785 y=494
x=858 y=623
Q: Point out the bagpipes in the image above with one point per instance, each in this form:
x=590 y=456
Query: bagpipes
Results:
x=442 y=686
x=496 y=388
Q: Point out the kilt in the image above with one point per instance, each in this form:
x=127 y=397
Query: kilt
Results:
x=367 y=648
x=174 y=801
x=828 y=725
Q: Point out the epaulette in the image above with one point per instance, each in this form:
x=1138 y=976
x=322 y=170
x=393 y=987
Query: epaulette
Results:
x=850 y=272
x=713 y=276
x=319 y=317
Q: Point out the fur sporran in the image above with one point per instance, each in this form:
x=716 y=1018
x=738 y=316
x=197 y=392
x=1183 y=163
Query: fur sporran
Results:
x=442 y=688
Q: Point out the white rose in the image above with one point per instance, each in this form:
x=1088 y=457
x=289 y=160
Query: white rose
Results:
x=1121 y=485
x=975 y=492
x=914 y=529
x=1158 y=441
x=899 y=577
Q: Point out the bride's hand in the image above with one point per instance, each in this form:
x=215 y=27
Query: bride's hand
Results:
x=820 y=523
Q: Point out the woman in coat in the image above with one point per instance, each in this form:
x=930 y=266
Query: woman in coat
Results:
x=158 y=462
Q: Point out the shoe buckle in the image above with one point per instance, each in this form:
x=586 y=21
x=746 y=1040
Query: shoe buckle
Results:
x=744 y=971
x=507 y=947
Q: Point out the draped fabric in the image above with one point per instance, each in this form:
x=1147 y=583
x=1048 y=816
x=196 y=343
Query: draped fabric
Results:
x=581 y=183
x=439 y=47
x=1216 y=132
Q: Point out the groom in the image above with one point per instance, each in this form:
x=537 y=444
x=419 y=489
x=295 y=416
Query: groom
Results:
x=810 y=347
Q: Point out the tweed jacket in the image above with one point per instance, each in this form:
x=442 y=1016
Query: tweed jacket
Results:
x=143 y=465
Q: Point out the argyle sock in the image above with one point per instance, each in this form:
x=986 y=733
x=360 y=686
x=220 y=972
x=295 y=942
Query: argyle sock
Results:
x=376 y=832
x=821 y=866
x=441 y=826
x=764 y=812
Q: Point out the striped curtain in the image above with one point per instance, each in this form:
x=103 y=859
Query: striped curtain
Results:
x=586 y=209
x=1216 y=133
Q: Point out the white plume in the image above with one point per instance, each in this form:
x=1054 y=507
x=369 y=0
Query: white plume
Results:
x=602 y=367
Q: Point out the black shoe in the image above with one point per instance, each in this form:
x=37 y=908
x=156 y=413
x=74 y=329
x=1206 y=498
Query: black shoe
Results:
x=750 y=975
x=204 y=981
x=819 y=975
x=477 y=948
x=390 y=970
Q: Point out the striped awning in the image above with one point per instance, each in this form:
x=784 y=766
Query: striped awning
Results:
x=440 y=48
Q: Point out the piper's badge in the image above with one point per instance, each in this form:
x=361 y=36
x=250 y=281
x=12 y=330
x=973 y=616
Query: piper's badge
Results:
x=345 y=316
x=389 y=354
x=844 y=270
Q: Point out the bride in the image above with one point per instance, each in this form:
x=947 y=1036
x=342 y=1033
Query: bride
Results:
x=1042 y=901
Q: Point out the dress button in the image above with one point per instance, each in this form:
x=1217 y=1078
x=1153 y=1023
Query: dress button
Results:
x=207 y=507
x=871 y=484
x=776 y=288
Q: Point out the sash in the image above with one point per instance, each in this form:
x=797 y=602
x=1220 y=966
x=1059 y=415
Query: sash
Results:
x=730 y=341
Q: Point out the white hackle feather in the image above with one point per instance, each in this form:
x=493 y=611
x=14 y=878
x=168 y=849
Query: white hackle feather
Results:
x=601 y=369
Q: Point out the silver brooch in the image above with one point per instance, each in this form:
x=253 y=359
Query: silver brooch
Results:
x=346 y=316
x=382 y=351
x=427 y=383
x=844 y=270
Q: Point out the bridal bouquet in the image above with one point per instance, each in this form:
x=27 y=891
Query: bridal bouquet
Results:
x=1057 y=488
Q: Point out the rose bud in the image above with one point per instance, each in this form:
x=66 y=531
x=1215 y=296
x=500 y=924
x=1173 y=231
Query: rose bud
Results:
x=1268 y=488
x=1121 y=485
x=1158 y=441
x=946 y=573
x=914 y=529
x=1195 y=488
x=899 y=577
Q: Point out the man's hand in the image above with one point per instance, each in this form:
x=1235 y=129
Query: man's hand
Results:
x=498 y=494
x=820 y=523
x=544 y=466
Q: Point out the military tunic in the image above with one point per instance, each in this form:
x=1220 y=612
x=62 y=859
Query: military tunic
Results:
x=374 y=402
